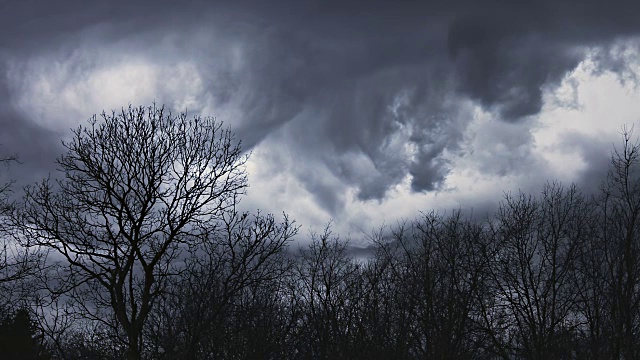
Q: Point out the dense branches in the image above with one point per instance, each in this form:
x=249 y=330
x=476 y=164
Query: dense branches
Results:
x=16 y=263
x=206 y=311
x=534 y=270
x=134 y=188
x=611 y=269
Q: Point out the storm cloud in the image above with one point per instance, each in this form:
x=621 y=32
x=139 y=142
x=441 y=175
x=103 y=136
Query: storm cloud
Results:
x=360 y=96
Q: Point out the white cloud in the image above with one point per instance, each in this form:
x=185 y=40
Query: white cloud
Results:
x=60 y=91
x=605 y=103
x=495 y=157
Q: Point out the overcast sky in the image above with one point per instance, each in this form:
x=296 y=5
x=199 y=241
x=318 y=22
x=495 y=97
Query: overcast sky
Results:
x=356 y=111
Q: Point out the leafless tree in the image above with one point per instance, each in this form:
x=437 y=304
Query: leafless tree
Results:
x=383 y=323
x=135 y=189
x=325 y=280
x=611 y=268
x=16 y=263
x=438 y=267
x=539 y=242
x=230 y=285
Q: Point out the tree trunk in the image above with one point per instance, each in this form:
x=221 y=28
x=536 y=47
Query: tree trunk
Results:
x=133 y=352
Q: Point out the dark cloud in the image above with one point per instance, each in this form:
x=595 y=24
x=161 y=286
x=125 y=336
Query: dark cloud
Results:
x=376 y=92
x=35 y=147
x=508 y=74
x=596 y=153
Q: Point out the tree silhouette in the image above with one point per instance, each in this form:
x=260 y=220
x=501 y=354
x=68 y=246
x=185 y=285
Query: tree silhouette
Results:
x=18 y=338
x=325 y=278
x=539 y=241
x=229 y=290
x=611 y=268
x=135 y=190
x=17 y=264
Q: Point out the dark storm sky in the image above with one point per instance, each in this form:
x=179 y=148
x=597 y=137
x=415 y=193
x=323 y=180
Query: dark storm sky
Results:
x=346 y=103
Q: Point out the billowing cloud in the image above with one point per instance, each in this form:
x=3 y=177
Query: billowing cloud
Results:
x=350 y=103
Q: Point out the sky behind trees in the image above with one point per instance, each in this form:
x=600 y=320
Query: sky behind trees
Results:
x=360 y=112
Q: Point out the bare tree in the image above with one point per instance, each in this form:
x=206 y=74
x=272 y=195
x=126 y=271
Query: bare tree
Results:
x=612 y=268
x=539 y=243
x=438 y=269
x=135 y=189
x=17 y=264
x=325 y=280
x=229 y=285
x=383 y=316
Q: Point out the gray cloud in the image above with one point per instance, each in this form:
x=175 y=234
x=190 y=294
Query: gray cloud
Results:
x=596 y=152
x=373 y=92
x=36 y=147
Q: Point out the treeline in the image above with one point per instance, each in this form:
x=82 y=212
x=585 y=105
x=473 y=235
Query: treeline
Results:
x=138 y=251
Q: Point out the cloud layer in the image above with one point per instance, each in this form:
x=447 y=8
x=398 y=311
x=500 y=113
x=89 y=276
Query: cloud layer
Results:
x=350 y=102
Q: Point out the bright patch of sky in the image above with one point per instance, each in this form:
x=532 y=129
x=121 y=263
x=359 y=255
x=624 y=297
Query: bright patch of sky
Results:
x=496 y=157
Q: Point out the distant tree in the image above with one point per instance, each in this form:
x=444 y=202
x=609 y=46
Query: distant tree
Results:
x=226 y=302
x=135 y=189
x=325 y=285
x=17 y=264
x=71 y=335
x=385 y=316
x=19 y=339
x=438 y=268
x=611 y=267
x=534 y=269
